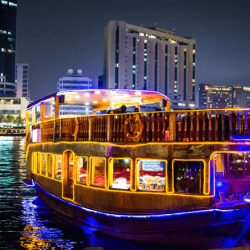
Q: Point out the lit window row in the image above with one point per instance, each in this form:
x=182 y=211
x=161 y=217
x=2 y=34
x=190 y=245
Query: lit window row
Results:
x=10 y=3
x=151 y=174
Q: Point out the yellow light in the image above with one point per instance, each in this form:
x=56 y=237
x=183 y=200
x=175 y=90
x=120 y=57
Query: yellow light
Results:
x=77 y=96
x=98 y=92
x=87 y=94
x=86 y=103
x=137 y=93
x=95 y=102
x=104 y=100
x=68 y=99
x=126 y=95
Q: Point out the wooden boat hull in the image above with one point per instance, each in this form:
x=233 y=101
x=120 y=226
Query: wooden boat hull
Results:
x=201 y=228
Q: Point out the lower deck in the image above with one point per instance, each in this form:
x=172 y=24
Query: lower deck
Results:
x=138 y=179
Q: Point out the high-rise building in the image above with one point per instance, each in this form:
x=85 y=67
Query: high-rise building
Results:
x=7 y=89
x=203 y=95
x=8 y=13
x=223 y=96
x=74 y=81
x=22 y=80
x=151 y=59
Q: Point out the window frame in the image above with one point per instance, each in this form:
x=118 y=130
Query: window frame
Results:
x=137 y=175
x=111 y=171
x=76 y=171
x=54 y=167
x=41 y=160
x=47 y=168
x=91 y=172
x=204 y=179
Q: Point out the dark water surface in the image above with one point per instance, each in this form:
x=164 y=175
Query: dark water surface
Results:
x=25 y=223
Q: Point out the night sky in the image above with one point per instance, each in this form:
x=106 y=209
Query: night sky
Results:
x=55 y=35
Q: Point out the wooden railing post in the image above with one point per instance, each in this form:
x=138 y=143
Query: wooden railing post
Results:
x=223 y=125
x=216 y=125
x=238 y=122
x=60 y=130
x=210 y=126
x=185 y=126
x=203 y=126
x=110 y=121
x=179 y=127
x=230 y=123
x=172 y=126
x=245 y=132
x=197 y=126
x=91 y=128
x=191 y=126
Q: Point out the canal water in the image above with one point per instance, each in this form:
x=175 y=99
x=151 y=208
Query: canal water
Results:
x=25 y=223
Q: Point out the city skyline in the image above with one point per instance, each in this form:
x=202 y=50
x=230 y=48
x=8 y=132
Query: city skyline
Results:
x=222 y=40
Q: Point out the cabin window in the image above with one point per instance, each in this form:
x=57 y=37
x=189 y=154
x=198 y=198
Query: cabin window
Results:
x=221 y=165
x=58 y=167
x=50 y=165
x=34 y=162
x=120 y=173
x=152 y=175
x=98 y=172
x=38 y=163
x=81 y=170
x=188 y=177
x=236 y=163
x=43 y=164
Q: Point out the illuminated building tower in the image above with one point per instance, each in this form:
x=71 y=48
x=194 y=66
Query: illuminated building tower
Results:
x=219 y=97
x=203 y=95
x=74 y=80
x=8 y=12
x=151 y=59
x=22 y=80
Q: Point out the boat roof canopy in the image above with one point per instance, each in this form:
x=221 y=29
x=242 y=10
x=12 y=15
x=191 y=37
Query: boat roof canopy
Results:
x=102 y=99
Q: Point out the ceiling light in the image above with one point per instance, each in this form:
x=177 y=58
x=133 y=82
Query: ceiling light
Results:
x=137 y=93
x=94 y=101
x=104 y=100
x=86 y=103
x=87 y=94
x=98 y=92
x=68 y=99
x=77 y=96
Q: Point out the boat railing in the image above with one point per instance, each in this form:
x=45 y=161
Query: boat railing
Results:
x=159 y=126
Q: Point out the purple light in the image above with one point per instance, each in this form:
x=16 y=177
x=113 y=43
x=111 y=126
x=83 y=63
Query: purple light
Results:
x=137 y=216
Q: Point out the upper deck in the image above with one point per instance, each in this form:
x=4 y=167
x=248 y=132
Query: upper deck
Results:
x=189 y=126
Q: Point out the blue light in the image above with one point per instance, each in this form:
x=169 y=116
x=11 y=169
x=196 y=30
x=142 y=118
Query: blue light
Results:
x=29 y=185
x=219 y=184
x=137 y=216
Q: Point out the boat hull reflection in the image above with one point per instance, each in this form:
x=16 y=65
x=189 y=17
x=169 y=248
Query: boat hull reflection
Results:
x=206 y=228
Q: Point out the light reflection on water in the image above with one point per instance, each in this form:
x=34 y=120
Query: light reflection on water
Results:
x=25 y=223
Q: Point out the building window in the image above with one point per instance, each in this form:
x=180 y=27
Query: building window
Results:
x=98 y=172
x=188 y=176
x=152 y=175
x=236 y=163
x=120 y=170
x=58 y=167
x=82 y=171
x=50 y=165
x=43 y=164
